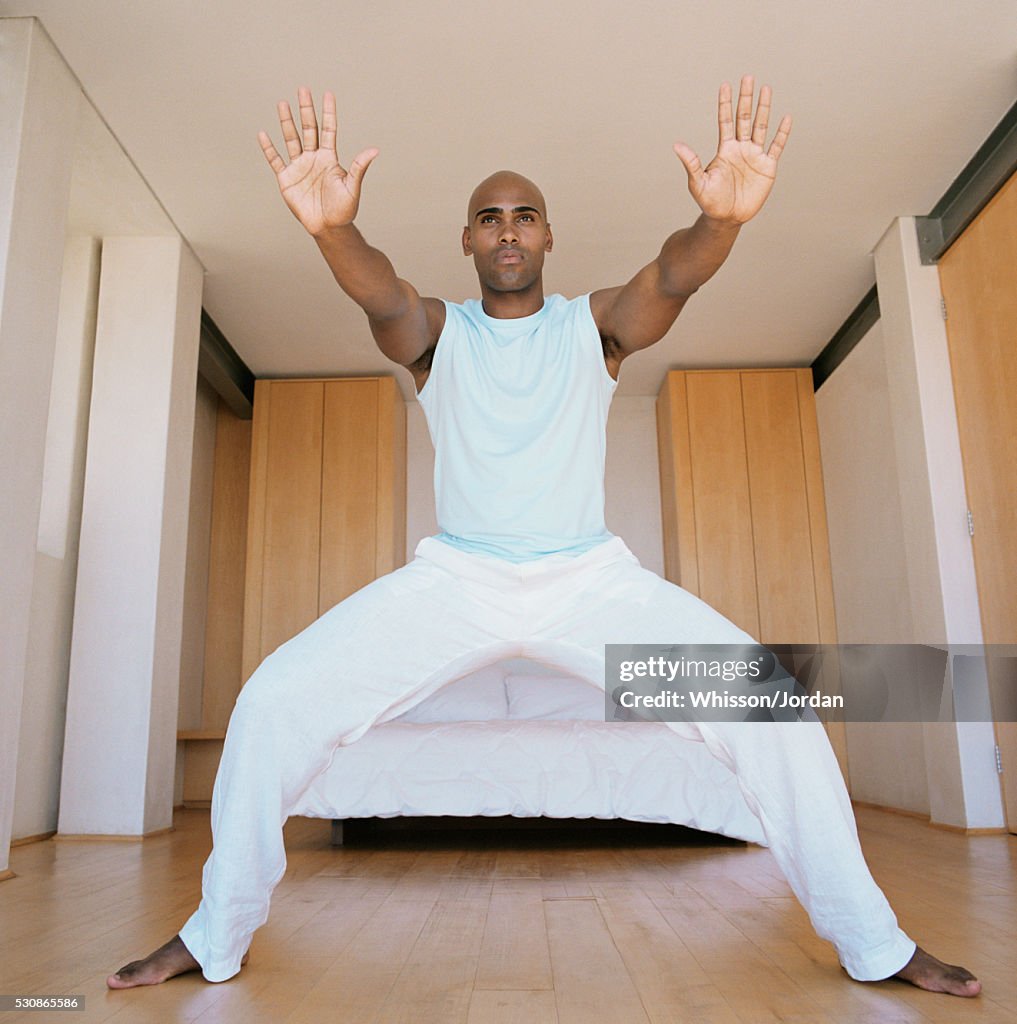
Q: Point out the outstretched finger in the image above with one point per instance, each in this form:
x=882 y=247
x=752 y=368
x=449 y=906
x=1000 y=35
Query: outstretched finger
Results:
x=275 y=161
x=693 y=166
x=289 y=130
x=743 y=127
x=780 y=139
x=359 y=167
x=762 y=116
x=308 y=119
x=328 y=122
x=725 y=117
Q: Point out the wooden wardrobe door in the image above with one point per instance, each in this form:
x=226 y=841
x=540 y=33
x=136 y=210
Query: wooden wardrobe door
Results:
x=979 y=281
x=327 y=501
x=978 y=276
x=720 y=495
x=743 y=507
x=742 y=492
x=349 y=489
x=781 y=531
x=285 y=516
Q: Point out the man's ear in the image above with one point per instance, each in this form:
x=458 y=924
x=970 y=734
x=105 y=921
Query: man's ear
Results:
x=549 y=241
x=467 y=243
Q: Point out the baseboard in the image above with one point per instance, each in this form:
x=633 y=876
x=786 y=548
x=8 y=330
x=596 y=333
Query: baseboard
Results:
x=25 y=840
x=968 y=831
x=961 y=829
x=891 y=810
x=64 y=837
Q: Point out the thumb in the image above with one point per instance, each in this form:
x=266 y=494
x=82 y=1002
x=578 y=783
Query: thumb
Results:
x=360 y=164
x=693 y=166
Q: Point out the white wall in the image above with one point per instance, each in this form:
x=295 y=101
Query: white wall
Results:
x=39 y=104
x=632 y=483
x=65 y=183
x=964 y=788
x=859 y=471
x=870 y=577
x=124 y=681
x=902 y=562
x=37 y=789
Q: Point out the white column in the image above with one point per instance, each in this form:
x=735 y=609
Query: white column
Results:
x=120 y=740
x=963 y=785
x=37 y=793
x=38 y=107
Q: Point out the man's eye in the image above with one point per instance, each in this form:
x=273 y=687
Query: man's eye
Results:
x=527 y=216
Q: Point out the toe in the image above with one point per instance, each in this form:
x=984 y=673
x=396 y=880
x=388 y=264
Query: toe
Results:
x=970 y=986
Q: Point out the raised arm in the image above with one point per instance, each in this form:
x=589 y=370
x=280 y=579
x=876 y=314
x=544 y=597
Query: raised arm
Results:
x=325 y=198
x=730 y=191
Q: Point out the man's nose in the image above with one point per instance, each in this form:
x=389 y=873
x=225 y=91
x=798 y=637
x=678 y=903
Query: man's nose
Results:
x=508 y=234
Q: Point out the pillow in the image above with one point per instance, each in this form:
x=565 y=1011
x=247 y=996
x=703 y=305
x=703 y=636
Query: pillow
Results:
x=549 y=698
x=477 y=697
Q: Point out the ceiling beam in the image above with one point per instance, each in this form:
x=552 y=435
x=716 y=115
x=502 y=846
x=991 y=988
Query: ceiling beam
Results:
x=224 y=370
x=854 y=328
x=983 y=176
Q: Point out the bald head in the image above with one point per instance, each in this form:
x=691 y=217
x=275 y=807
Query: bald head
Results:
x=496 y=188
x=507 y=235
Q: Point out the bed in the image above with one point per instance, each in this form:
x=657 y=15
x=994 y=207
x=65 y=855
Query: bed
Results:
x=517 y=739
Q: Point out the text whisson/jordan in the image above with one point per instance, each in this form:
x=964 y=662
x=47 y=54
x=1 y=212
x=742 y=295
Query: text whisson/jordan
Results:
x=726 y=699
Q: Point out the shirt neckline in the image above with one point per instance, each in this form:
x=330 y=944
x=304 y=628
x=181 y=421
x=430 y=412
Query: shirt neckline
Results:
x=509 y=323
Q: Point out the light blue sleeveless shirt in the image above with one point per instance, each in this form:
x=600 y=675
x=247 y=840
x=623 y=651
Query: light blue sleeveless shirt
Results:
x=517 y=411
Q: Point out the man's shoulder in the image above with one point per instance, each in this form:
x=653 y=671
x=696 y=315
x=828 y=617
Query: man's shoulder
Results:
x=559 y=303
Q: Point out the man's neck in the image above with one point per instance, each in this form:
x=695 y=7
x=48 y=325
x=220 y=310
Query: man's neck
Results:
x=512 y=305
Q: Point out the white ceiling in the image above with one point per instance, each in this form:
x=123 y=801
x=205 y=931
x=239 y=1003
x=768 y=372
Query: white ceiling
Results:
x=890 y=100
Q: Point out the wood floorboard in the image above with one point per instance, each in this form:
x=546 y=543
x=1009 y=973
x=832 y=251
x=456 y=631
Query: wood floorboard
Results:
x=591 y=982
x=514 y=952
x=364 y=971
x=436 y=982
x=670 y=982
x=542 y=929
x=518 y=1007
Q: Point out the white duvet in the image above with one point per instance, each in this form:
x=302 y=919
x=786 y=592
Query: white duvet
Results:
x=502 y=742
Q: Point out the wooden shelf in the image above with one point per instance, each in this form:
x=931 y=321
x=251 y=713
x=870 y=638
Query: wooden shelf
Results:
x=201 y=734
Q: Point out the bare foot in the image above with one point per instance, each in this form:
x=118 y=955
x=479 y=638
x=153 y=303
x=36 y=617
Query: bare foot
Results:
x=925 y=971
x=166 y=962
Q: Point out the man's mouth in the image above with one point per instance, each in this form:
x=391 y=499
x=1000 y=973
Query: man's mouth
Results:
x=509 y=256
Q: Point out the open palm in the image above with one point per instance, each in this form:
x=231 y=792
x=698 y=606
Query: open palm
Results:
x=736 y=182
x=315 y=186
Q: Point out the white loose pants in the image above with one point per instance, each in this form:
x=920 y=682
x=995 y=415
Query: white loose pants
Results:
x=447 y=613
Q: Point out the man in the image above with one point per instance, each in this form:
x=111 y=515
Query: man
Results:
x=516 y=390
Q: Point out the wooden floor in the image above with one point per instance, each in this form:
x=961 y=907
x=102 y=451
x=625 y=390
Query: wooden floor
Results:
x=492 y=929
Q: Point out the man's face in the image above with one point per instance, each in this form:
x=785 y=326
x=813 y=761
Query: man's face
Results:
x=507 y=234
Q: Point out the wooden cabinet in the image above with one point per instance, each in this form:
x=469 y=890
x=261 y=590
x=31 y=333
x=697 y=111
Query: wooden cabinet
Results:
x=327 y=501
x=742 y=499
x=325 y=513
x=977 y=275
x=742 y=503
